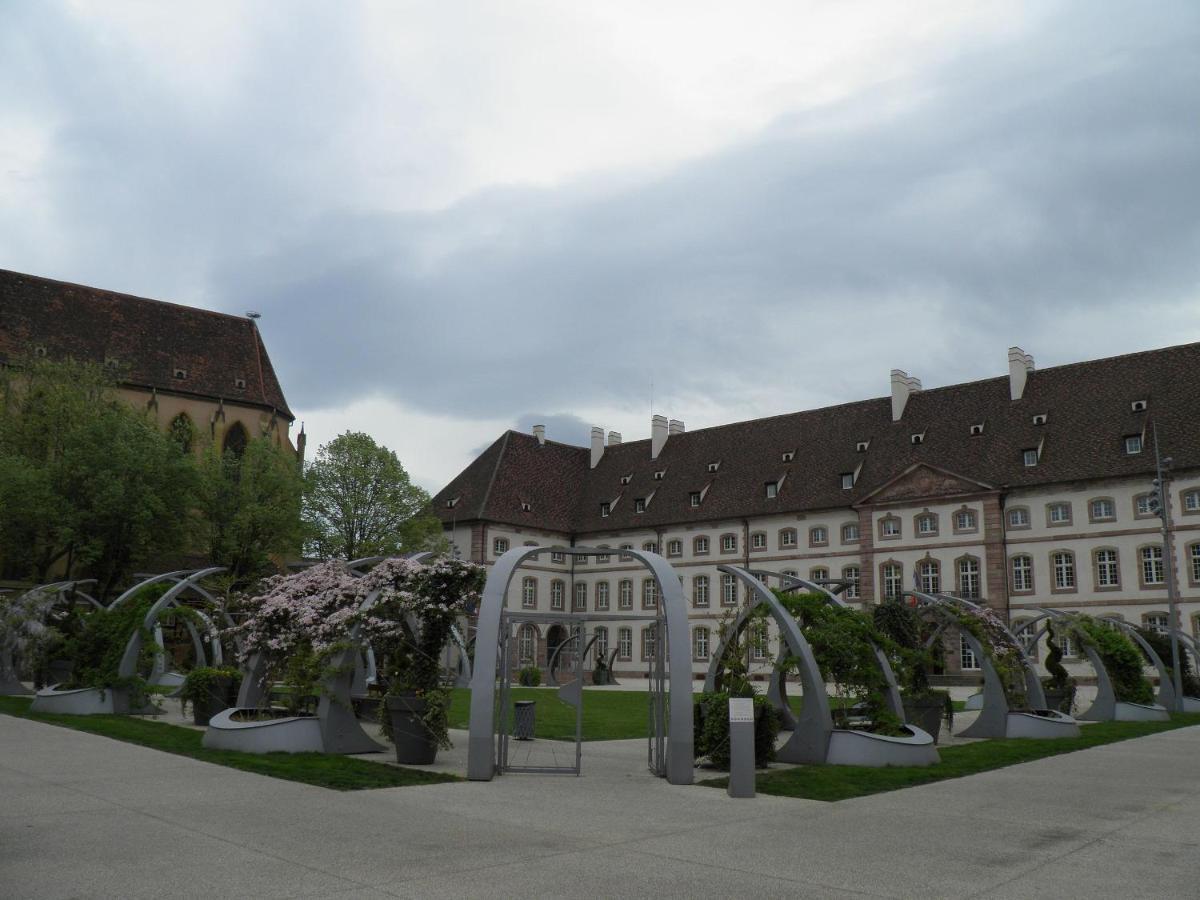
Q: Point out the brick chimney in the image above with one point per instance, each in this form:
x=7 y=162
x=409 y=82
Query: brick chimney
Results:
x=658 y=435
x=539 y=432
x=1020 y=364
x=903 y=386
x=597 y=444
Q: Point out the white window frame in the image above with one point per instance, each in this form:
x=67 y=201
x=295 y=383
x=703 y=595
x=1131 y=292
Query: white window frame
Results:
x=1021 y=567
x=499 y=546
x=1108 y=570
x=625 y=594
x=700 y=641
x=728 y=590
x=1133 y=444
x=850 y=533
x=529 y=593
x=601 y=596
x=700 y=596
x=1153 y=569
x=625 y=643
x=1062 y=564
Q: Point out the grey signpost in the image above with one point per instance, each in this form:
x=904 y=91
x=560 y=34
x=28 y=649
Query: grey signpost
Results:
x=741 y=747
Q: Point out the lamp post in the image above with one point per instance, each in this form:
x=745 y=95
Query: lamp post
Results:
x=1161 y=498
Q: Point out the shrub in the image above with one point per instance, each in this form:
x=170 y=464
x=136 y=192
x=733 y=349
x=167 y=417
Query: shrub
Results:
x=201 y=682
x=530 y=676
x=712 y=729
x=1121 y=658
x=1161 y=643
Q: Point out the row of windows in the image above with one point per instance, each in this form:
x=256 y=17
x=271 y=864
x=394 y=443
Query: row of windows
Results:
x=927 y=524
x=527 y=641
x=1106 y=569
x=966 y=574
x=786 y=539
x=1100 y=509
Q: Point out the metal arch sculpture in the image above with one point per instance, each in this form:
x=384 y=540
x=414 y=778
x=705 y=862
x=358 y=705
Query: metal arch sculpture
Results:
x=10 y=682
x=128 y=665
x=481 y=759
x=812 y=729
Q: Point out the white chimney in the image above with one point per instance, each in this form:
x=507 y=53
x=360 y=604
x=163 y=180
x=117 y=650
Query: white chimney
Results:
x=539 y=432
x=597 y=444
x=1020 y=364
x=903 y=386
x=676 y=427
x=614 y=438
x=658 y=435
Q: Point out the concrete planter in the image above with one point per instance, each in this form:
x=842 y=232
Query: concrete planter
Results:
x=290 y=734
x=1191 y=704
x=926 y=715
x=77 y=702
x=1041 y=724
x=220 y=696
x=1140 y=712
x=862 y=748
x=1060 y=700
x=414 y=744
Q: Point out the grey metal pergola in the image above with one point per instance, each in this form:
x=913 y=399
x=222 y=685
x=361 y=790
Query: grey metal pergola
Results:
x=10 y=682
x=678 y=750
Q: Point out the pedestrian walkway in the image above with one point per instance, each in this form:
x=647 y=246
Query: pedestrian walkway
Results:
x=84 y=816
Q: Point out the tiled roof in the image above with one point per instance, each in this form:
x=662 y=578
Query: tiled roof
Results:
x=148 y=339
x=1088 y=409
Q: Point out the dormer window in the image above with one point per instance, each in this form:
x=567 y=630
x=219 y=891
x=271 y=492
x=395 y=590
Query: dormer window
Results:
x=625 y=479
x=658 y=476
x=847 y=480
x=639 y=505
x=1138 y=405
x=1030 y=456
x=918 y=438
x=451 y=503
x=180 y=374
x=694 y=499
x=976 y=430
x=789 y=455
x=1133 y=444
x=605 y=509
x=39 y=351
x=862 y=446
x=239 y=383
x=1039 y=419
x=525 y=507
x=110 y=362
x=713 y=466
x=772 y=490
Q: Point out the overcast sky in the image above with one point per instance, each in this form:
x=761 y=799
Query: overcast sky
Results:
x=459 y=218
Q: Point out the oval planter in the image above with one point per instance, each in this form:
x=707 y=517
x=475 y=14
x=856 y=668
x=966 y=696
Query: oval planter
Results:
x=1140 y=712
x=414 y=744
x=862 y=748
x=1191 y=704
x=76 y=702
x=291 y=734
x=1041 y=724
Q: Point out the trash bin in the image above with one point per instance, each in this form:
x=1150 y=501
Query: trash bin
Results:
x=525 y=712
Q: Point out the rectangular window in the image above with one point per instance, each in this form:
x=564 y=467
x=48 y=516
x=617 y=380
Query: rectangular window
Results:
x=926 y=525
x=625 y=642
x=625 y=595
x=1060 y=513
x=728 y=543
x=1030 y=457
x=500 y=546
x=625 y=557
x=700 y=545
x=580 y=595
x=674 y=548
x=1133 y=444
x=968 y=579
x=818 y=536
x=1064 y=571
x=558 y=557
x=758 y=541
x=603 y=557
x=1156 y=622
x=649 y=594
x=557 y=589
x=1103 y=508
x=1022 y=573
x=1141 y=505
x=700 y=643
x=529 y=593
x=602 y=595
x=889 y=527
x=964 y=520
x=852 y=576
x=787 y=538
x=1018 y=517
x=1107 y=574
x=759 y=641
x=650 y=546
x=648 y=642
x=1191 y=501
x=694 y=499
x=966 y=656
x=1196 y=562
x=639 y=505
x=772 y=490
x=931 y=576
x=893 y=580
x=1152 y=565
x=849 y=532
x=605 y=509
x=600 y=648
x=728 y=590
x=700 y=590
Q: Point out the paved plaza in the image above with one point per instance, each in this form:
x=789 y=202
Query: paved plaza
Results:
x=84 y=816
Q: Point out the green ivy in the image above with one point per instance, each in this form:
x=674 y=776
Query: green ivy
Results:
x=1121 y=657
x=712 y=729
x=200 y=683
x=1161 y=644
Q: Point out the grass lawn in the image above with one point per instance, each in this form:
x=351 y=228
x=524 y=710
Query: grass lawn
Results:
x=843 y=782
x=323 y=770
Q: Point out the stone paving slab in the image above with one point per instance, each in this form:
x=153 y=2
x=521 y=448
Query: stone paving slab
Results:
x=85 y=816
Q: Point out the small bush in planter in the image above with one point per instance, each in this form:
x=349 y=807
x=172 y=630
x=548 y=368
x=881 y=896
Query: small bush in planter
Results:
x=530 y=676
x=210 y=690
x=600 y=673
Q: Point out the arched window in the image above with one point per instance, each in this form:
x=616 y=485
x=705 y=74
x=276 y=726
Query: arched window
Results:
x=700 y=643
x=818 y=573
x=930 y=574
x=580 y=596
x=625 y=643
x=527 y=644
x=235 y=440
x=181 y=432
x=529 y=593
x=700 y=590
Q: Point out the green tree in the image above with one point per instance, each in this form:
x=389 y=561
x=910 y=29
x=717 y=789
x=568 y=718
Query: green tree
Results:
x=249 y=507
x=359 y=501
x=84 y=478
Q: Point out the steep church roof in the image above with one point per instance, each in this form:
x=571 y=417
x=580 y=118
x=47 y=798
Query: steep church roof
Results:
x=149 y=342
x=1088 y=411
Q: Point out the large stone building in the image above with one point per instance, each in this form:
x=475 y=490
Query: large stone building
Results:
x=1020 y=491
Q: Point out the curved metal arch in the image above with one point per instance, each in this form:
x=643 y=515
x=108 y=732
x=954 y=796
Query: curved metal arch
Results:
x=10 y=682
x=481 y=761
x=812 y=729
x=1166 y=687
x=128 y=666
x=177 y=576
x=1104 y=707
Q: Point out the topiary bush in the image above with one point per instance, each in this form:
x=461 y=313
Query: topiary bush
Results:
x=530 y=676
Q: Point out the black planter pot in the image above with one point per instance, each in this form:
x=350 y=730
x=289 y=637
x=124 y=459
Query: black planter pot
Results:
x=367 y=708
x=220 y=696
x=926 y=715
x=414 y=744
x=600 y=677
x=1060 y=700
x=59 y=671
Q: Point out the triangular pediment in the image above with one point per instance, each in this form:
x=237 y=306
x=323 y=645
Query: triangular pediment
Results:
x=923 y=482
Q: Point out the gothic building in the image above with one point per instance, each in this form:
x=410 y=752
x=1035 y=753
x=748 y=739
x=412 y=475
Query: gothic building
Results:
x=1020 y=491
